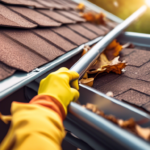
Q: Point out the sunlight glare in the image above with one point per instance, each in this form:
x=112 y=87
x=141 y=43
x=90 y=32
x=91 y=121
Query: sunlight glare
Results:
x=147 y=2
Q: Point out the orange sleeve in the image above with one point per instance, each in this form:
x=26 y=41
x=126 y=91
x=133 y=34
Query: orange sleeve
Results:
x=49 y=102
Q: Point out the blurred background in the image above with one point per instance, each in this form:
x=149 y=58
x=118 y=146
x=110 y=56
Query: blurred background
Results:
x=124 y=8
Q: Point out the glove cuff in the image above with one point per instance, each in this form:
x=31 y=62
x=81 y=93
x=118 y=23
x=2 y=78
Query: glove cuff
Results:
x=50 y=103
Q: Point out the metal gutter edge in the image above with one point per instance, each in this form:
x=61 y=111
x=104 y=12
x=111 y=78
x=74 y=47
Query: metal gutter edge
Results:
x=99 y=9
x=20 y=79
x=139 y=39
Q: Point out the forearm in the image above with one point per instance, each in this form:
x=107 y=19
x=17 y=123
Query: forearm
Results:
x=37 y=125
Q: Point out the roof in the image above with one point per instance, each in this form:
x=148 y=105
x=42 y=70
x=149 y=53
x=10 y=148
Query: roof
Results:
x=34 y=33
x=133 y=85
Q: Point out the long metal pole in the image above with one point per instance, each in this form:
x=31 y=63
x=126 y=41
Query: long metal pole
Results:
x=82 y=65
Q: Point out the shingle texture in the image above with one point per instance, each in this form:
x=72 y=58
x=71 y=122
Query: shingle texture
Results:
x=132 y=86
x=35 y=32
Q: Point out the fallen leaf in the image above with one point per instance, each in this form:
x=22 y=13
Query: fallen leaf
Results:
x=88 y=81
x=103 y=64
x=80 y=7
x=98 y=64
x=113 y=50
x=115 y=66
x=97 y=18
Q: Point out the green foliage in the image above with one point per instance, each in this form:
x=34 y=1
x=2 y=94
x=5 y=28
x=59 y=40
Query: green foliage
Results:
x=125 y=9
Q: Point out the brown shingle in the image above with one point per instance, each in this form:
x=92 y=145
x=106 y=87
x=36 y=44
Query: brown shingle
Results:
x=18 y=20
x=104 y=28
x=6 y=22
x=54 y=15
x=55 y=38
x=84 y=32
x=71 y=6
x=70 y=35
x=59 y=3
x=134 y=97
x=125 y=52
x=93 y=28
x=17 y=56
x=145 y=77
x=35 y=43
x=57 y=6
x=138 y=57
x=28 y=49
x=104 y=78
x=45 y=3
x=137 y=72
x=35 y=16
x=24 y=3
x=117 y=86
x=111 y=24
x=147 y=106
x=141 y=86
x=122 y=84
x=5 y=71
x=71 y=16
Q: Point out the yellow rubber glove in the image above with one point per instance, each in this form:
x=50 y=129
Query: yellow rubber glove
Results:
x=57 y=85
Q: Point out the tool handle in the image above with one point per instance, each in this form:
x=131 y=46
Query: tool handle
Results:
x=82 y=65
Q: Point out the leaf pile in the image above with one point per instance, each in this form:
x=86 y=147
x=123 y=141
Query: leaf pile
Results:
x=129 y=125
x=108 y=61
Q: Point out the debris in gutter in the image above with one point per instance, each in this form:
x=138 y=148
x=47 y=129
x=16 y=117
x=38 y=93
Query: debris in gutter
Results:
x=108 y=61
x=129 y=124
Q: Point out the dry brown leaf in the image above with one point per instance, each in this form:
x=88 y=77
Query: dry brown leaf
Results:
x=115 y=66
x=98 y=64
x=97 y=18
x=80 y=7
x=88 y=81
x=112 y=50
x=103 y=64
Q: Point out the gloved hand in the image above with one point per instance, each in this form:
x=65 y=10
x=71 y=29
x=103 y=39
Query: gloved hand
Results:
x=57 y=85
